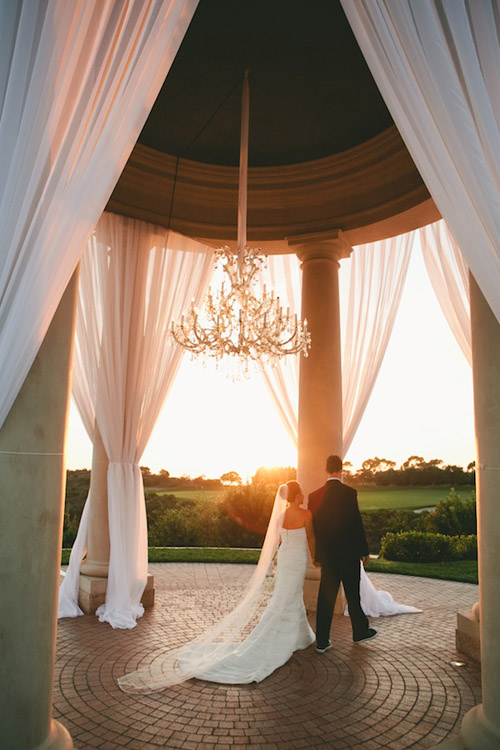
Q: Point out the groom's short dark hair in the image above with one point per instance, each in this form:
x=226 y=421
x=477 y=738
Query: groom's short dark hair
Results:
x=333 y=464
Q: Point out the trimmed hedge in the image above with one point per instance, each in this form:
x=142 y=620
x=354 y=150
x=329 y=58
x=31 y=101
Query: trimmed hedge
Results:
x=417 y=546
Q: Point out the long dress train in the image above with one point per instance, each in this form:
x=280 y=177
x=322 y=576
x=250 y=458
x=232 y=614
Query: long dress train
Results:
x=282 y=629
x=378 y=603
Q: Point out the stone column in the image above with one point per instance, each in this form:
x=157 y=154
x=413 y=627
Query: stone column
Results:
x=481 y=725
x=94 y=569
x=320 y=380
x=97 y=560
x=32 y=468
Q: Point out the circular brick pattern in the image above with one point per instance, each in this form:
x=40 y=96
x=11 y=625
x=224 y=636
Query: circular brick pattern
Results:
x=398 y=691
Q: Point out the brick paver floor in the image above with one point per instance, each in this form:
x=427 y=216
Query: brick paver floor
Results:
x=398 y=691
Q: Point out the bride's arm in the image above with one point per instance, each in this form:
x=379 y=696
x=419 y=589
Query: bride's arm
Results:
x=311 y=539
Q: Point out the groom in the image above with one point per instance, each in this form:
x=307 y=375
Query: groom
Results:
x=340 y=544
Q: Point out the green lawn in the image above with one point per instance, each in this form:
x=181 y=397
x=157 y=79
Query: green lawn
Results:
x=197 y=495
x=203 y=554
x=458 y=570
x=194 y=554
x=369 y=498
x=407 y=498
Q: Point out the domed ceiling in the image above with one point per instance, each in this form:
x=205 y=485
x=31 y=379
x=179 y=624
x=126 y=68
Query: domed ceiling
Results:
x=324 y=153
x=311 y=93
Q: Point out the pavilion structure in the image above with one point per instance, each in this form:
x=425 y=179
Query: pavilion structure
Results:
x=328 y=170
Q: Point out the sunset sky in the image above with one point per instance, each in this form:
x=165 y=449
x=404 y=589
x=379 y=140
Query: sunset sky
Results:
x=421 y=404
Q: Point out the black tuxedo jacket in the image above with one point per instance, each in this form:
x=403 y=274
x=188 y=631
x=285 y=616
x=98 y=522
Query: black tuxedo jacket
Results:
x=338 y=525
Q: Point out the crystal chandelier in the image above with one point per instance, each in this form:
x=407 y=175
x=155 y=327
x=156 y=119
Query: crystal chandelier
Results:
x=242 y=319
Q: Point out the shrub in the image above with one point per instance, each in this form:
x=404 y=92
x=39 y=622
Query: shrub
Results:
x=466 y=547
x=417 y=546
x=180 y=522
x=377 y=523
x=77 y=489
x=274 y=476
x=453 y=516
x=250 y=505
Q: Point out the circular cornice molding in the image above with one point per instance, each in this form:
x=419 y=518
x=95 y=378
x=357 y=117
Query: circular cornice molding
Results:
x=370 y=192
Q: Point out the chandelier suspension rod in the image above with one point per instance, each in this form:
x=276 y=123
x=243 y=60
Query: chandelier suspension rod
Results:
x=242 y=187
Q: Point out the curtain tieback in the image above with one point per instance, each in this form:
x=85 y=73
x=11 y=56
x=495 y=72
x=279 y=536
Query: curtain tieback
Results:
x=124 y=463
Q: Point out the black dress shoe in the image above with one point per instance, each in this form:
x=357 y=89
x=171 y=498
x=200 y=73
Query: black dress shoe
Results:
x=370 y=633
x=322 y=649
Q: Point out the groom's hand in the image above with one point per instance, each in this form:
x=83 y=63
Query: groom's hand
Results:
x=316 y=564
x=365 y=560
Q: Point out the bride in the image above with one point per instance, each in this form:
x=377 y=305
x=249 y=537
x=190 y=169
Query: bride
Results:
x=253 y=640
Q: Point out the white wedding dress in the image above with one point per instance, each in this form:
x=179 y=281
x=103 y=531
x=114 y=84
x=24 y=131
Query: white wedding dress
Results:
x=256 y=637
x=282 y=629
x=378 y=603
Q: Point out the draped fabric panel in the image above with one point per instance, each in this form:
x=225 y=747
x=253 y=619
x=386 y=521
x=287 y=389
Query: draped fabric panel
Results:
x=282 y=379
x=77 y=81
x=135 y=279
x=378 y=274
x=437 y=65
x=449 y=277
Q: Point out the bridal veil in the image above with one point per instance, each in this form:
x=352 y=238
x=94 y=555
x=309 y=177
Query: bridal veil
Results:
x=199 y=654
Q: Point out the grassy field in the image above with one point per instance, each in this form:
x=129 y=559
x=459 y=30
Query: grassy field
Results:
x=405 y=498
x=369 y=498
x=197 y=495
x=458 y=570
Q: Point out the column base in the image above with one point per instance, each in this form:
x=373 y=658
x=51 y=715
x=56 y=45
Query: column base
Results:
x=92 y=593
x=311 y=588
x=99 y=570
x=478 y=732
x=455 y=743
x=58 y=739
x=467 y=635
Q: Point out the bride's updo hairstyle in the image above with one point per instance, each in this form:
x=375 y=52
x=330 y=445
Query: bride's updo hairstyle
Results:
x=294 y=489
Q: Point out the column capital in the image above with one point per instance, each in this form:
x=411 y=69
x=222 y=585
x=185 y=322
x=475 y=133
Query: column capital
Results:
x=331 y=245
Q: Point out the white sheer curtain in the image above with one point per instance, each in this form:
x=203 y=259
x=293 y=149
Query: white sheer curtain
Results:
x=135 y=278
x=282 y=379
x=77 y=81
x=378 y=273
x=437 y=65
x=449 y=277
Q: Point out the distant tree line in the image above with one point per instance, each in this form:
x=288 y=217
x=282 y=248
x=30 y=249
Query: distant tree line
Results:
x=163 y=479
x=414 y=472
